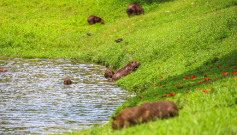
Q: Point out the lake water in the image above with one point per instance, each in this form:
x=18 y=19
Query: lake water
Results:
x=34 y=100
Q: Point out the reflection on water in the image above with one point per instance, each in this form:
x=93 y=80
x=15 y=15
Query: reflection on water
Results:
x=33 y=98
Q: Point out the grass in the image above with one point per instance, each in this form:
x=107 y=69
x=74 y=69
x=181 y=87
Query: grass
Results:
x=174 y=39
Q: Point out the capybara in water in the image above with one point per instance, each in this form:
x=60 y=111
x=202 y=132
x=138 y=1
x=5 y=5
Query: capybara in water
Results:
x=162 y=109
x=134 y=9
x=3 y=70
x=127 y=69
x=109 y=73
x=67 y=81
x=131 y=116
x=94 y=19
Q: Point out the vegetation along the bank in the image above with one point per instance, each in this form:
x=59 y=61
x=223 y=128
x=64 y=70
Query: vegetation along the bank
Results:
x=187 y=50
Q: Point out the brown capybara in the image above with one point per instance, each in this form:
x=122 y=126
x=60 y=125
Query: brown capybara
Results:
x=134 y=9
x=162 y=109
x=94 y=19
x=67 y=81
x=3 y=70
x=109 y=73
x=131 y=116
x=127 y=69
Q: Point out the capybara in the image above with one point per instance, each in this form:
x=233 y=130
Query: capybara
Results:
x=127 y=69
x=67 y=81
x=94 y=19
x=3 y=70
x=162 y=109
x=134 y=9
x=109 y=73
x=131 y=116
x=89 y=34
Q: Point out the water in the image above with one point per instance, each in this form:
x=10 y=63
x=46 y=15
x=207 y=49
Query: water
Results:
x=34 y=100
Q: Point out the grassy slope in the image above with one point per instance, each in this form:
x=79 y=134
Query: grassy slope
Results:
x=184 y=42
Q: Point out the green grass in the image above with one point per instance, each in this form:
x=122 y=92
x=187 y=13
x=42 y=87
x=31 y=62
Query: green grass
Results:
x=195 y=38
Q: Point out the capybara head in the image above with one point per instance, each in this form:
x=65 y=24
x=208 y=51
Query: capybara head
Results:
x=108 y=73
x=102 y=21
x=94 y=19
x=135 y=64
x=131 y=116
x=162 y=109
x=67 y=81
x=3 y=70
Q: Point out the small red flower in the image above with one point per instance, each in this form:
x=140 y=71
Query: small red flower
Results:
x=188 y=84
x=224 y=73
x=165 y=95
x=173 y=85
x=155 y=94
x=187 y=92
x=159 y=84
x=142 y=92
x=179 y=84
x=192 y=77
x=205 y=91
x=219 y=64
x=200 y=82
x=206 y=79
x=151 y=84
x=234 y=73
x=185 y=78
x=216 y=78
x=161 y=77
x=171 y=94
x=141 y=97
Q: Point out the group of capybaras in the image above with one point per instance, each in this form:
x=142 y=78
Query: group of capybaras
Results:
x=140 y=114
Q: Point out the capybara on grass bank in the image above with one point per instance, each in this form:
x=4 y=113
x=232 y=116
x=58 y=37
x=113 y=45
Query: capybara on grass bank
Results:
x=127 y=69
x=67 y=81
x=162 y=109
x=134 y=9
x=94 y=19
x=108 y=73
x=3 y=70
x=130 y=117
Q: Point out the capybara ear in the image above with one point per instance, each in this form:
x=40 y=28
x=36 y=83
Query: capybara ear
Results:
x=113 y=118
x=132 y=62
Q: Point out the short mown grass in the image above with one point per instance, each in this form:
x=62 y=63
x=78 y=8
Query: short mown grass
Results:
x=173 y=40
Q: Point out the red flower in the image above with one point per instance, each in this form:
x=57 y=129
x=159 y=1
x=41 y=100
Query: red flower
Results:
x=200 y=82
x=155 y=94
x=165 y=95
x=159 y=84
x=171 y=94
x=151 y=84
x=234 y=72
x=142 y=92
x=206 y=79
x=224 y=73
x=185 y=78
x=187 y=92
x=173 y=85
x=141 y=97
x=219 y=64
x=161 y=77
x=192 y=77
x=216 y=78
x=179 y=84
x=188 y=84
x=205 y=91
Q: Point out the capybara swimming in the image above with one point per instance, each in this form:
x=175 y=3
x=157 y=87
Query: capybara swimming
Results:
x=134 y=9
x=94 y=19
x=162 y=109
x=127 y=69
x=109 y=73
x=3 y=70
x=131 y=116
x=67 y=81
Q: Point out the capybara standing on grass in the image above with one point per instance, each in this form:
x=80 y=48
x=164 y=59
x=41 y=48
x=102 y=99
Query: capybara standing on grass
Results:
x=134 y=9
x=67 y=81
x=94 y=19
x=162 y=109
x=131 y=116
x=3 y=70
x=109 y=73
x=127 y=69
